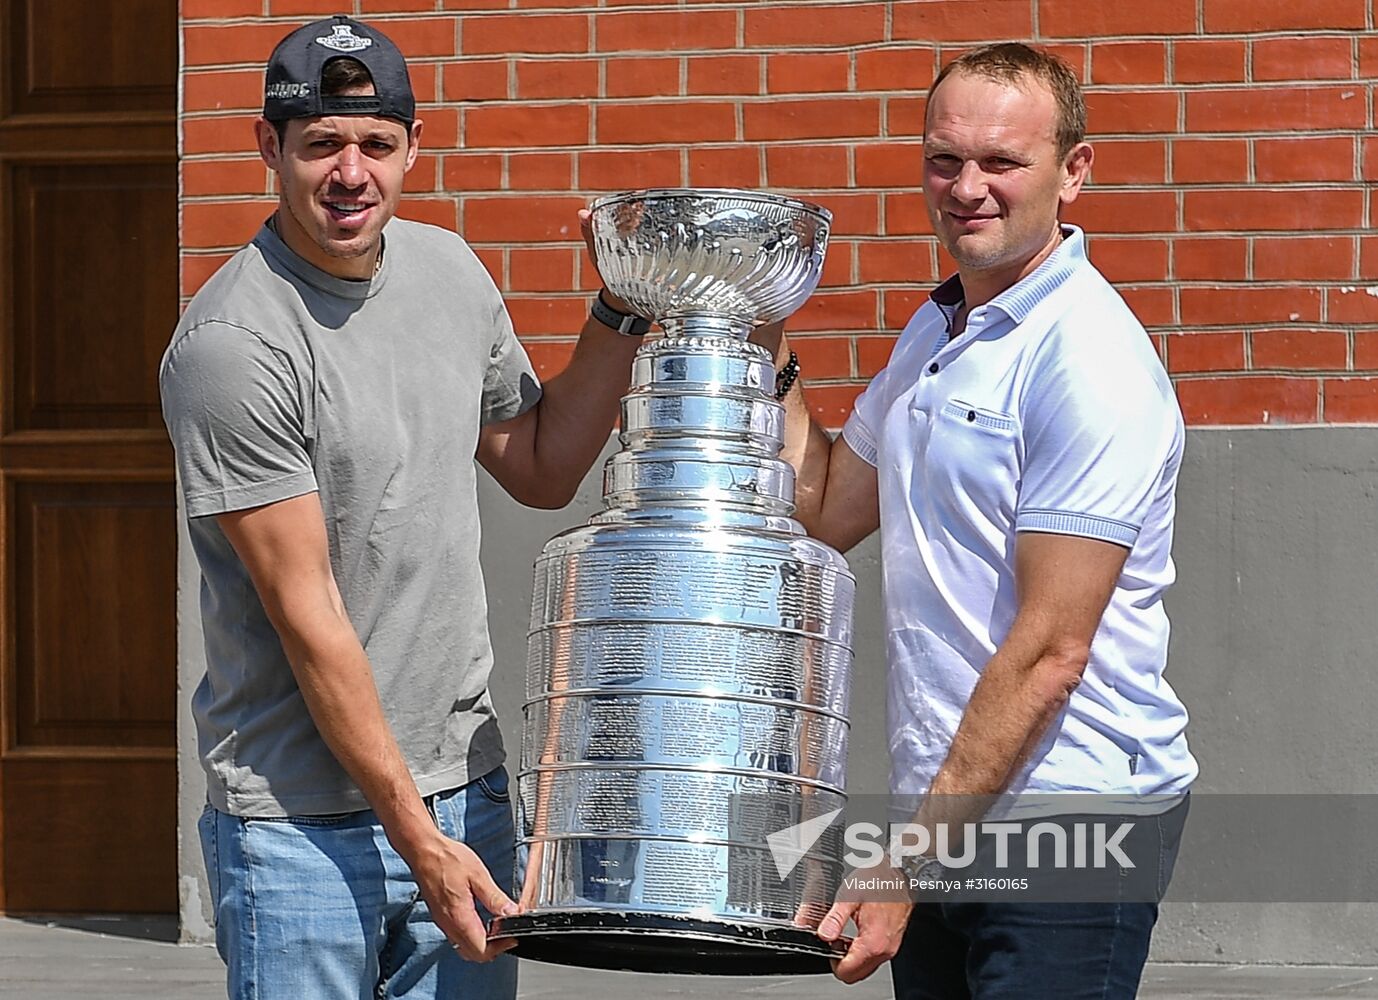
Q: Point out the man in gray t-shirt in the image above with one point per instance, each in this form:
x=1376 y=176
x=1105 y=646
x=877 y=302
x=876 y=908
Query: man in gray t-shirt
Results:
x=327 y=393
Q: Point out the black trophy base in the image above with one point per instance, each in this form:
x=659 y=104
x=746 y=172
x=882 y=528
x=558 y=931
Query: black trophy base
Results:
x=648 y=942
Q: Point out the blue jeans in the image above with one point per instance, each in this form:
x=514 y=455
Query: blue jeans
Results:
x=322 y=907
x=1040 y=950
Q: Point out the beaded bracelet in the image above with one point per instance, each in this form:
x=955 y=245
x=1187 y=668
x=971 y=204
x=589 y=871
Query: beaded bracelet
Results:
x=787 y=376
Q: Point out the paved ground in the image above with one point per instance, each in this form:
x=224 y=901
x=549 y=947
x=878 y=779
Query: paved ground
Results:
x=133 y=960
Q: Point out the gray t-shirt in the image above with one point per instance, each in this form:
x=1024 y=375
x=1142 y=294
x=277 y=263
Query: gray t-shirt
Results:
x=282 y=380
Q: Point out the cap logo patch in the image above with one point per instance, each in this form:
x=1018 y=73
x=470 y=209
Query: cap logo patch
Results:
x=343 y=39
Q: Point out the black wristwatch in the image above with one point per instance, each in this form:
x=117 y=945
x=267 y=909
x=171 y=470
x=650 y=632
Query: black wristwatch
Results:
x=627 y=324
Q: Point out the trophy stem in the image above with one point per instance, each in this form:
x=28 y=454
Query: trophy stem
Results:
x=707 y=325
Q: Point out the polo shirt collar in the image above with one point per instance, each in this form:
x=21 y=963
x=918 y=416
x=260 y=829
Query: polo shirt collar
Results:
x=949 y=294
x=1019 y=299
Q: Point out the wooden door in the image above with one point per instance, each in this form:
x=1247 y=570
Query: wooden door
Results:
x=88 y=298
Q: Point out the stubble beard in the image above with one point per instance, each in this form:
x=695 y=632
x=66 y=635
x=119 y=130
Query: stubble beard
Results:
x=348 y=253
x=969 y=257
x=330 y=248
x=977 y=258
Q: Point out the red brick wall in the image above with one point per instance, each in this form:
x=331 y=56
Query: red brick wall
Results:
x=1229 y=199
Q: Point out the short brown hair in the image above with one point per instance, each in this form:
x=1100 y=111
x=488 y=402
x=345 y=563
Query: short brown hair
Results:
x=1015 y=62
x=343 y=74
x=338 y=76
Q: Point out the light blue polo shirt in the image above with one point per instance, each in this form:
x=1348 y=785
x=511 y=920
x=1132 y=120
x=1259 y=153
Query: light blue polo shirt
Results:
x=1050 y=412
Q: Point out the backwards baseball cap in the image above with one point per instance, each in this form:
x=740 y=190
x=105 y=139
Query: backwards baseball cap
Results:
x=292 y=88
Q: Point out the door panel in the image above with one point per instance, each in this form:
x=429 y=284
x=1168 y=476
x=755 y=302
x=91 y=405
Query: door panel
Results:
x=86 y=351
x=84 y=56
x=90 y=560
x=88 y=298
x=73 y=854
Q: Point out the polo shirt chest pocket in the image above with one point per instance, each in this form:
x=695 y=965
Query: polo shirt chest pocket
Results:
x=973 y=459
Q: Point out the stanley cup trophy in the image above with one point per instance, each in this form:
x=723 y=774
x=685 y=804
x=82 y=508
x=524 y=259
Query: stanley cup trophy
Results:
x=690 y=647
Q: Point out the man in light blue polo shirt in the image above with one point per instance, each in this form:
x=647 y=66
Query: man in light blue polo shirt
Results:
x=1019 y=454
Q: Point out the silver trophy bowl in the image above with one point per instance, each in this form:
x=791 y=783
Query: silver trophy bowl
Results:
x=689 y=653
x=710 y=261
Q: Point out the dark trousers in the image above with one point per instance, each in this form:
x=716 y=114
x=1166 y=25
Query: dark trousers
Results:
x=1037 y=950
x=1024 y=951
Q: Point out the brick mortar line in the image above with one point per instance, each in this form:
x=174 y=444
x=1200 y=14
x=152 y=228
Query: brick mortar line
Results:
x=1280 y=131
x=242 y=156
x=1169 y=42
x=817 y=191
x=886 y=41
x=1359 y=152
x=1280 y=325
x=1091 y=87
x=829 y=143
x=877 y=140
x=650 y=7
x=1294 y=373
x=826 y=190
x=1143 y=86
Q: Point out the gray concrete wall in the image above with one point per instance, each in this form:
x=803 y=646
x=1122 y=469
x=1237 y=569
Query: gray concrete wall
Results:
x=1275 y=619
x=1275 y=628
x=193 y=891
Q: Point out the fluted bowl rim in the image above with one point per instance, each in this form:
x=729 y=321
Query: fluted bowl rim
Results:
x=657 y=297
x=746 y=194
